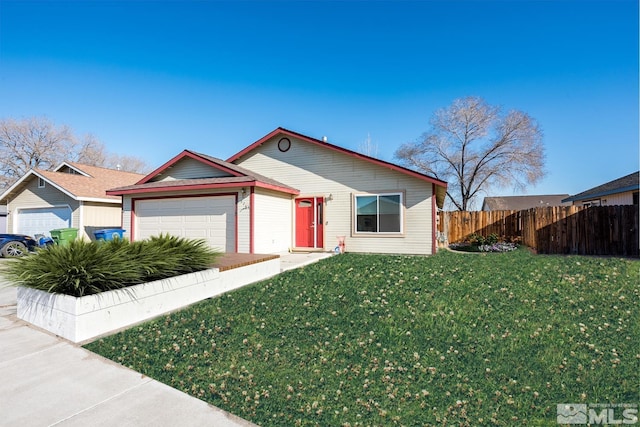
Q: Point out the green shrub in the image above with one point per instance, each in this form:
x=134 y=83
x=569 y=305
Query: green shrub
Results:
x=479 y=240
x=85 y=268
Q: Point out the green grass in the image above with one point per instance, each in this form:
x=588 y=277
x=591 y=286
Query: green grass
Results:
x=451 y=339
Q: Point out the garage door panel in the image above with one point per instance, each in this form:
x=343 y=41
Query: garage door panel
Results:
x=34 y=221
x=209 y=218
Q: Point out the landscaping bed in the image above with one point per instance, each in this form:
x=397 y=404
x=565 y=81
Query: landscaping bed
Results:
x=87 y=289
x=382 y=340
x=479 y=243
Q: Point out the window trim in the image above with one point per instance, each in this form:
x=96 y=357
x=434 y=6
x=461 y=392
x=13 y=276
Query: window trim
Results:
x=354 y=214
x=41 y=182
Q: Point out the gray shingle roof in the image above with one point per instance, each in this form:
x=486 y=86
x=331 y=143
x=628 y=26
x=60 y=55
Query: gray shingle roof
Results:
x=626 y=183
x=518 y=203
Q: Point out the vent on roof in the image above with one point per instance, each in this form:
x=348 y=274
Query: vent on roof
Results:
x=324 y=139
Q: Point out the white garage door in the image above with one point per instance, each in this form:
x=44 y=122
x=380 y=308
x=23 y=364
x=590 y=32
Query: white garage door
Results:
x=42 y=220
x=208 y=218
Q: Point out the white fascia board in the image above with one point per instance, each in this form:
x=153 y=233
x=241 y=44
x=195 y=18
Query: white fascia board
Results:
x=18 y=182
x=99 y=200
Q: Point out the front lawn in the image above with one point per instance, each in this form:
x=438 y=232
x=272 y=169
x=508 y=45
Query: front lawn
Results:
x=452 y=339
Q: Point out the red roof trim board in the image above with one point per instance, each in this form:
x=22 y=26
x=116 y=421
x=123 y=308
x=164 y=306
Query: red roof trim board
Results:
x=182 y=155
x=201 y=187
x=378 y=162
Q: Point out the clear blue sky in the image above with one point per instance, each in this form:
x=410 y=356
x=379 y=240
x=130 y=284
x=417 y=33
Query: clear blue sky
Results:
x=151 y=78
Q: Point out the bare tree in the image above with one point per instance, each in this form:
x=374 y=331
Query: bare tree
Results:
x=473 y=146
x=91 y=151
x=368 y=148
x=31 y=143
x=37 y=143
x=126 y=163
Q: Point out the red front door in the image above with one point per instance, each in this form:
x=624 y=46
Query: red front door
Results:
x=309 y=219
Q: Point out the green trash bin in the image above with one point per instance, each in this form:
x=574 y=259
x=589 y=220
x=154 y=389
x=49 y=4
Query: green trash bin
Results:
x=62 y=236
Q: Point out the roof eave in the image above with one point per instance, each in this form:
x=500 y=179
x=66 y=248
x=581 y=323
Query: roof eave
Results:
x=579 y=197
x=35 y=173
x=186 y=187
x=99 y=200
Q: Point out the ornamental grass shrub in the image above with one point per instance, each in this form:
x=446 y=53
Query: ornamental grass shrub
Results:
x=85 y=268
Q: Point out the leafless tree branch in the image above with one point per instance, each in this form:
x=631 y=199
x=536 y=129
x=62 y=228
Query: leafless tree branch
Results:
x=473 y=146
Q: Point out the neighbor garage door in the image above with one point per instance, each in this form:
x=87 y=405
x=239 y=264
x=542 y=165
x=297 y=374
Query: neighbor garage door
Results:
x=208 y=218
x=42 y=220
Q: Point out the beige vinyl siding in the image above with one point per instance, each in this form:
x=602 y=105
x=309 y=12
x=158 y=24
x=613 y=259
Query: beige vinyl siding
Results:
x=97 y=216
x=188 y=168
x=33 y=197
x=126 y=216
x=618 y=199
x=610 y=200
x=272 y=221
x=317 y=171
x=243 y=213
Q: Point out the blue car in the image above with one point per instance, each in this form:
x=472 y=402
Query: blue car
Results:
x=15 y=245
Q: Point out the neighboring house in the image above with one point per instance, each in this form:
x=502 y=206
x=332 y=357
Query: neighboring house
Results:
x=621 y=191
x=287 y=191
x=3 y=219
x=520 y=203
x=73 y=195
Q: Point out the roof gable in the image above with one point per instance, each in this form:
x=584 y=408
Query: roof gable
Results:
x=440 y=186
x=68 y=167
x=79 y=182
x=220 y=175
x=217 y=167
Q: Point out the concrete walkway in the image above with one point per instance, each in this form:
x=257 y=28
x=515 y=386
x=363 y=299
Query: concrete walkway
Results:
x=47 y=381
x=289 y=261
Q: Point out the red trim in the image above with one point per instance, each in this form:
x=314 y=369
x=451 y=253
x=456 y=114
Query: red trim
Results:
x=252 y=212
x=434 y=219
x=275 y=187
x=132 y=232
x=282 y=131
x=133 y=213
x=182 y=155
x=203 y=187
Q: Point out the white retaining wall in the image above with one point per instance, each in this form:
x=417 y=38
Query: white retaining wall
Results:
x=84 y=318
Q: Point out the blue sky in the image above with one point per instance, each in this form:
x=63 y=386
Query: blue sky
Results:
x=151 y=78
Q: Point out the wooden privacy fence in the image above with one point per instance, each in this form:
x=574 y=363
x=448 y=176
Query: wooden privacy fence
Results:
x=596 y=230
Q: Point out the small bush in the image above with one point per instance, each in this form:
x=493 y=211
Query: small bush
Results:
x=479 y=240
x=85 y=268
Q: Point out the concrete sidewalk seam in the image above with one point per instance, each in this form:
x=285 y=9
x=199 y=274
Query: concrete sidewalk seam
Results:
x=25 y=356
x=123 y=392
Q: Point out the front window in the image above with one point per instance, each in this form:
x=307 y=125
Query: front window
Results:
x=378 y=213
